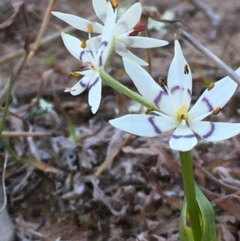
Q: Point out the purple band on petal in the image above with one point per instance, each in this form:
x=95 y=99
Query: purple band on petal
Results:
x=105 y=44
x=81 y=55
x=100 y=59
x=82 y=84
x=210 y=132
x=95 y=82
x=210 y=107
x=158 y=98
x=183 y=136
x=177 y=87
x=156 y=129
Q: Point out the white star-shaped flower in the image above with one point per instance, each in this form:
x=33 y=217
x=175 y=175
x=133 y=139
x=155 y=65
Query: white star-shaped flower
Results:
x=174 y=103
x=92 y=60
x=124 y=31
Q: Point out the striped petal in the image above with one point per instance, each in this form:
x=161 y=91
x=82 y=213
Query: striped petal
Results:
x=78 y=23
x=73 y=45
x=100 y=7
x=80 y=86
x=218 y=96
x=141 y=42
x=95 y=93
x=180 y=78
x=143 y=125
x=107 y=35
x=211 y=131
x=183 y=139
x=129 y=19
x=148 y=88
x=122 y=50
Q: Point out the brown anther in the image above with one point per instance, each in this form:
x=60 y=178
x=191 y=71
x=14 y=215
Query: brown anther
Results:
x=217 y=110
x=139 y=27
x=186 y=69
x=84 y=44
x=74 y=74
x=175 y=37
x=210 y=86
x=67 y=89
x=149 y=111
x=90 y=28
x=114 y=3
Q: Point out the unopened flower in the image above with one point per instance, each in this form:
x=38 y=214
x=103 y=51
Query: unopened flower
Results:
x=174 y=103
x=93 y=60
x=125 y=31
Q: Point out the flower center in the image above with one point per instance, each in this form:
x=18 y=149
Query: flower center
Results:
x=182 y=113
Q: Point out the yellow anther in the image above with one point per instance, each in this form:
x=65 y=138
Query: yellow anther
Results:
x=210 y=86
x=74 y=74
x=182 y=113
x=186 y=69
x=114 y=3
x=84 y=44
x=175 y=37
x=90 y=28
x=217 y=110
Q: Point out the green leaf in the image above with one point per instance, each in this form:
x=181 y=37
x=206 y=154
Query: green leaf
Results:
x=206 y=216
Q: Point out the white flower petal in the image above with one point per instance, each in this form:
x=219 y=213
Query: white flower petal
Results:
x=180 y=78
x=107 y=35
x=122 y=50
x=143 y=125
x=95 y=42
x=80 y=86
x=212 y=131
x=72 y=44
x=218 y=96
x=95 y=93
x=183 y=139
x=148 y=88
x=129 y=19
x=141 y=42
x=78 y=23
x=100 y=7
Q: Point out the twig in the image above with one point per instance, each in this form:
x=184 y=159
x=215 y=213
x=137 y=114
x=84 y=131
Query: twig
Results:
x=3 y=184
x=43 y=41
x=24 y=134
x=41 y=31
x=107 y=162
x=210 y=55
x=215 y=18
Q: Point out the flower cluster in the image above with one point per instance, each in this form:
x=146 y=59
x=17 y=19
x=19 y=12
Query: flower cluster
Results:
x=172 y=100
x=93 y=53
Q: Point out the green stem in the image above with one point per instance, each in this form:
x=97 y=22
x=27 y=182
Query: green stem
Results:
x=190 y=195
x=7 y=103
x=126 y=91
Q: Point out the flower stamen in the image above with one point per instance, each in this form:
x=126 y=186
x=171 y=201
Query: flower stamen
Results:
x=217 y=110
x=210 y=86
x=74 y=74
x=84 y=44
x=182 y=113
x=137 y=29
x=90 y=28
x=186 y=69
x=114 y=3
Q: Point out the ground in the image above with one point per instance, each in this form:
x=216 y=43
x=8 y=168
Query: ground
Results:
x=55 y=187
